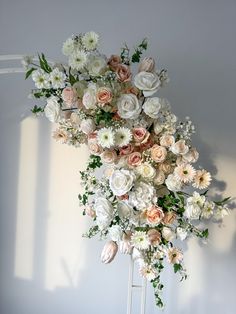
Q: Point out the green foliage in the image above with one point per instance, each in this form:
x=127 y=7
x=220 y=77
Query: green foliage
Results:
x=139 y=51
x=92 y=232
x=95 y=162
x=103 y=116
x=44 y=64
x=37 y=110
x=177 y=267
x=72 y=79
x=224 y=201
x=29 y=72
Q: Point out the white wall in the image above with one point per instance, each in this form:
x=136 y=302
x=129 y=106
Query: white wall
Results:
x=45 y=265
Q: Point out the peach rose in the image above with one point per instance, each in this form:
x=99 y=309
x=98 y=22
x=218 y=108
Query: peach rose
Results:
x=126 y=150
x=169 y=218
x=69 y=96
x=140 y=135
x=93 y=146
x=114 y=61
x=158 y=153
x=109 y=156
x=154 y=214
x=154 y=237
x=104 y=95
x=134 y=159
x=131 y=90
x=123 y=73
x=167 y=140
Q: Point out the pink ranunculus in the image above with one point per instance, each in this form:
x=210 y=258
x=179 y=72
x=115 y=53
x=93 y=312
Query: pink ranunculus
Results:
x=69 y=96
x=126 y=150
x=134 y=159
x=123 y=73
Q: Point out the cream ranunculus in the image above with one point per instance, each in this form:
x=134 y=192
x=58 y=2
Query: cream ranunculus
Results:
x=52 y=109
x=128 y=106
x=104 y=212
x=152 y=107
x=121 y=181
x=146 y=171
x=148 y=82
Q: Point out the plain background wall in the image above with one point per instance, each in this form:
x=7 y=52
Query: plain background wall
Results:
x=45 y=265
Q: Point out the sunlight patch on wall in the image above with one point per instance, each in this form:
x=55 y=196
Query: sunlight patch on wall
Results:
x=24 y=243
x=65 y=248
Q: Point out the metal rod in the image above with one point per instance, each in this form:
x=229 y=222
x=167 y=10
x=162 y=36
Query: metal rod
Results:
x=130 y=284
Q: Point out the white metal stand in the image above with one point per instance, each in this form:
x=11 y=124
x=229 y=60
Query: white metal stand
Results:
x=132 y=286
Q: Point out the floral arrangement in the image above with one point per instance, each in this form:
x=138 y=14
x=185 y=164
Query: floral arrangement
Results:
x=142 y=188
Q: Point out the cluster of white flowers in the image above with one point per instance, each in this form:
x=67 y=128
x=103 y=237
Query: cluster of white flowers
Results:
x=151 y=190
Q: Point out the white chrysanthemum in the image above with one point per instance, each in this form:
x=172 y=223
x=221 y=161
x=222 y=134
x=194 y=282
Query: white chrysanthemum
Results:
x=90 y=40
x=68 y=47
x=78 y=60
x=207 y=210
x=122 y=137
x=106 y=137
x=57 y=78
x=41 y=79
x=147 y=271
x=185 y=173
x=140 y=240
x=202 y=179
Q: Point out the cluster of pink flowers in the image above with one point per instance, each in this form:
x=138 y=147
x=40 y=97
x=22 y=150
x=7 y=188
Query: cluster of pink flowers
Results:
x=142 y=161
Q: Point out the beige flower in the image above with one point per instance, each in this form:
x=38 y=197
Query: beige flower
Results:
x=146 y=170
x=167 y=140
x=109 y=252
x=154 y=237
x=60 y=135
x=154 y=215
x=169 y=218
x=202 y=179
x=159 y=178
x=123 y=73
x=158 y=153
x=109 y=156
x=114 y=61
x=166 y=167
x=69 y=96
x=185 y=173
x=174 y=255
x=104 y=95
x=93 y=146
x=180 y=148
x=147 y=65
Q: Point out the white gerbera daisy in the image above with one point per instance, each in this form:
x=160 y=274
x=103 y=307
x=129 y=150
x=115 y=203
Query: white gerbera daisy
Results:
x=90 y=40
x=140 y=240
x=147 y=271
x=78 y=60
x=105 y=137
x=185 y=173
x=202 y=179
x=57 y=78
x=122 y=137
x=41 y=79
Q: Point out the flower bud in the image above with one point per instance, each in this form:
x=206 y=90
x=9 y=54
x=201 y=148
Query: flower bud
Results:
x=109 y=252
x=147 y=65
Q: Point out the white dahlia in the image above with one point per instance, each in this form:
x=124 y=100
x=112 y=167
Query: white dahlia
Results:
x=122 y=137
x=57 y=78
x=78 y=60
x=202 y=179
x=140 y=240
x=185 y=173
x=90 y=40
x=106 y=137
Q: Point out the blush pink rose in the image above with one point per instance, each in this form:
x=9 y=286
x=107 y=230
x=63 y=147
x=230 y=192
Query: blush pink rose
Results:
x=123 y=73
x=109 y=156
x=126 y=150
x=154 y=214
x=69 y=96
x=140 y=135
x=158 y=153
x=104 y=95
x=134 y=159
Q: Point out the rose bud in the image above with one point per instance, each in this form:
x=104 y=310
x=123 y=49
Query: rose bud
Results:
x=109 y=252
x=125 y=245
x=147 y=65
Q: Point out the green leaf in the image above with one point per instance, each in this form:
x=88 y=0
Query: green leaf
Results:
x=37 y=109
x=29 y=72
x=44 y=64
x=177 y=267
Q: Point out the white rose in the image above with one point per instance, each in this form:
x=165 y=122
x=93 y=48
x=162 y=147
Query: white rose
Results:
x=167 y=234
x=89 y=99
x=121 y=181
x=172 y=183
x=192 y=211
x=128 y=106
x=191 y=156
x=96 y=65
x=87 y=126
x=148 y=82
x=181 y=233
x=124 y=210
x=142 y=195
x=146 y=171
x=104 y=212
x=179 y=148
x=52 y=109
x=152 y=107
x=115 y=233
